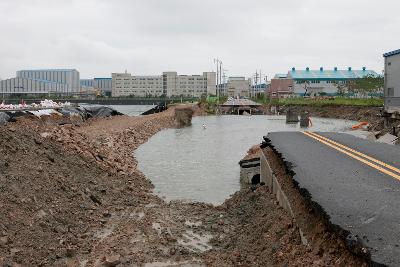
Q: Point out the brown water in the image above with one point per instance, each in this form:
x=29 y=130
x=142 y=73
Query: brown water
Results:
x=198 y=164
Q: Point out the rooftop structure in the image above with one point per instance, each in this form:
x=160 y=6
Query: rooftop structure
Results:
x=327 y=75
x=240 y=102
x=281 y=76
x=239 y=106
x=392 y=53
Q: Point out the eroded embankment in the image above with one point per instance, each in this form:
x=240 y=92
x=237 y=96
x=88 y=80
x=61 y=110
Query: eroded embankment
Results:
x=326 y=238
x=71 y=195
x=355 y=113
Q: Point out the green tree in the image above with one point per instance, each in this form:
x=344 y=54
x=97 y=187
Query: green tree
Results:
x=341 y=87
x=366 y=85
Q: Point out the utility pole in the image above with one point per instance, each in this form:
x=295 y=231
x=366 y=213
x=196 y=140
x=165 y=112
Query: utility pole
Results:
x=216 y=61
x=219 y=76
x=256 y=77
x=224 y=79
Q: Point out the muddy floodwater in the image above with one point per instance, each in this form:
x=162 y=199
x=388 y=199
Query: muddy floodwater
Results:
x=199 y=163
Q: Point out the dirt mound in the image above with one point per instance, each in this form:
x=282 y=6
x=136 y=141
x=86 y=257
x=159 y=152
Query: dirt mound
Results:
x=183 y=116
x=51 y=200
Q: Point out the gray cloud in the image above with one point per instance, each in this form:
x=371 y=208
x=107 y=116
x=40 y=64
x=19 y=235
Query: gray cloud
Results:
x=149 y=36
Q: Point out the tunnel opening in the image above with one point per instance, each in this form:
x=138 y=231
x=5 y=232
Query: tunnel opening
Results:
x=244 y=111
x=256 y=179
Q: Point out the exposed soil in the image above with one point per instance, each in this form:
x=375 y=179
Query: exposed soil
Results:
x=254 y=152
x=356 y=113
x=71 y=195
x=325 y=239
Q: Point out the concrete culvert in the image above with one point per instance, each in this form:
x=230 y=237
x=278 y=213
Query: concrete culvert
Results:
x=255 y=179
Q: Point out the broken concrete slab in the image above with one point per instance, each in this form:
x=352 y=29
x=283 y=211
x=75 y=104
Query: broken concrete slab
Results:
x=388 y=139
x=4 y=118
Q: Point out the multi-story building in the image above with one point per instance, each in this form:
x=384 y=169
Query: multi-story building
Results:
x=70 y=77
x=86 y=82
x=238 y=87
x=102 y=85
x=31 y=86
x=261 y=88
x=392 y=80
x=168 y=84
x=314 y=82
x=124 y=84
x=281 y=86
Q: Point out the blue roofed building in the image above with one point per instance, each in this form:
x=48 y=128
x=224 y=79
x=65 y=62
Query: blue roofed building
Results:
x=316 y=82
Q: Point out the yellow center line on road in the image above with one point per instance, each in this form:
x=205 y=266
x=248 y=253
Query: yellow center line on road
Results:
x=385 y=171
x=356 y=152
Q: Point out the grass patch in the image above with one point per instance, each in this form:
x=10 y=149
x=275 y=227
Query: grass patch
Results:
x=338 y=101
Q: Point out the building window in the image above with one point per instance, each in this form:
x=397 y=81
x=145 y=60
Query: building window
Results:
x=390 y=92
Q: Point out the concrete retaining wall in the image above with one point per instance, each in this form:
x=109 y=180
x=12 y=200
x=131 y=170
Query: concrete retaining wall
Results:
x=246 y=174
x=248 y=169
x=267 y=176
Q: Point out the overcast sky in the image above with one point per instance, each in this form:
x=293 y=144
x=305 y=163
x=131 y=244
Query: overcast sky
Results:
x=146 y=37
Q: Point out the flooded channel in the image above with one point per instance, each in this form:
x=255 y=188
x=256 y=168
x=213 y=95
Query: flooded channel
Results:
x=201 y=163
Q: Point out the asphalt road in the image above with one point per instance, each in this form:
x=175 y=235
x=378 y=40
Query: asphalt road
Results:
x=360 y=194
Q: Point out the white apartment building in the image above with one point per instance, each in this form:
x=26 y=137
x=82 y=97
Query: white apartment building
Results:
x=124 y=84
x=169 y=84
x=70 y=77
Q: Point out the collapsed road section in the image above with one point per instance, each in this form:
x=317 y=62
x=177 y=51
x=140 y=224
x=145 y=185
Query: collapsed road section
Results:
x=353 y=182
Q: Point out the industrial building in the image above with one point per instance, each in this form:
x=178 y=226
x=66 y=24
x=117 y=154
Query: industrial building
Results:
x=101 y=85
x=392 y=80
x=86 y=82
x=168 y=84
x=238 y=87
x=281 y=86
x=70 y=77
x=261 y=88
x=314 y=82
x=31 y=86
